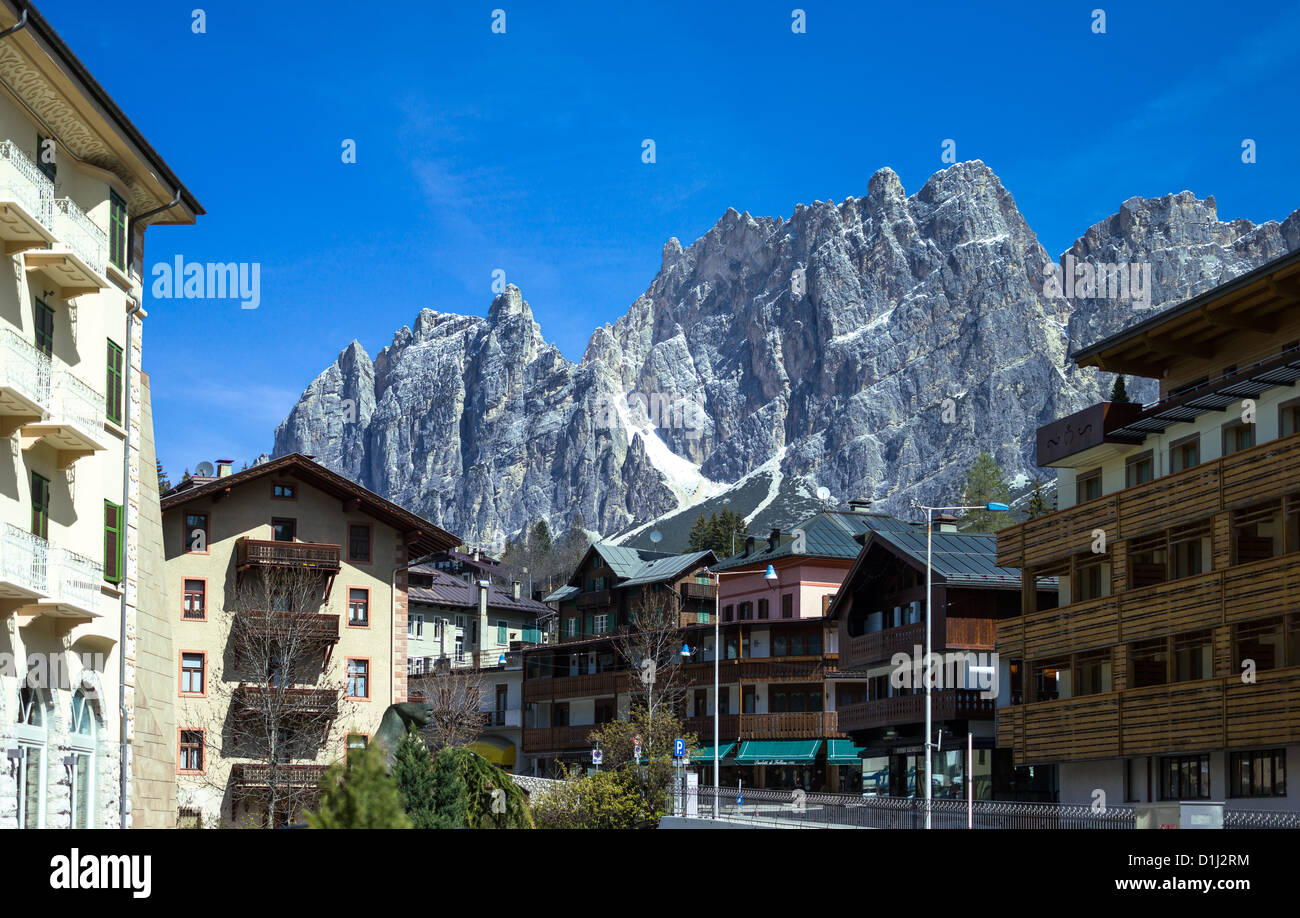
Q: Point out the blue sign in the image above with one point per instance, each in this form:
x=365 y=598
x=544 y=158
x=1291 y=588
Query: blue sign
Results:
x=679 y=748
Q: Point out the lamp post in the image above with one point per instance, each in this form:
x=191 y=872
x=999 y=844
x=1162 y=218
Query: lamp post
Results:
x=770 y=576
x=925 y=663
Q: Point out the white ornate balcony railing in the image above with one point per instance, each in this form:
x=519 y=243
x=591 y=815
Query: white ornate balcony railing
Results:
x=80 y=234
x=24 y=558
x=75 y=402
x=75 y=579
x=24 y=368
x=22 y=182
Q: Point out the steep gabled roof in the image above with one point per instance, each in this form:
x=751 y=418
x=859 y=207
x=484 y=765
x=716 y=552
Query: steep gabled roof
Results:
x=827 y=534
x=634 y=566
x=668 y=568
x=425 y=536
x=446 y=590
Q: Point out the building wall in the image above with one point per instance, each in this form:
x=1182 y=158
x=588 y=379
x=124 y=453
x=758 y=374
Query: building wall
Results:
x=85 y=652
x=320 y=518
x=153 y=742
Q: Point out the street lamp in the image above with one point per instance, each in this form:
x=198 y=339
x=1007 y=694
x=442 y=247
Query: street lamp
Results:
x=768 y=575
x=929 y=571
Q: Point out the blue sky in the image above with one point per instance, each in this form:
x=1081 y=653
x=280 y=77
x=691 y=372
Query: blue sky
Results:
x=522 y=151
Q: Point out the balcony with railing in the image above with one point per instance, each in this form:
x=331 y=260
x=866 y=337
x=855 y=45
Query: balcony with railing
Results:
x=286 y=627
x=947 y=704
x=26 y=196
x=24 y=564
x=594 y=600
x=77 y=262
x=500 y=718
x=24 y=382
x=787 y=725
x=558 y=739
x=74 y=586
x=287 y=703
x=254 y=778
x=75 y=425
x=260 y=553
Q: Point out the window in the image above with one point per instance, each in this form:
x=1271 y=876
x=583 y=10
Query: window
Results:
x=787 y=605
x=1091 y=582
x=44 y=329
x=195 y=607
x=1187 y=556
x=1238 y=436
x=1185 y=453
x=45 y=157
x=1185 y=777
x=359 y=543
x=1288 y=418
x=1149 y=663
x=728 y=613
x=40 y=506
x=1052 y=681
x=1092 y=673
x=1193 y=656
x=283 y=529
x=192 y=667
x=113 y=385
x=355 y=743
x=284 y=490
x=1087 y=486
x=1262 y=643
x=191 y=752
x=414 y=626
x=113 y=525
x=762 y=608
x=359 y=608
x=189 y=817
x=196 y=533
x=359 y=679
x=30 y=732
x=1257 y=774
x=1139 y=469
x=116 y=229
x=602 y=623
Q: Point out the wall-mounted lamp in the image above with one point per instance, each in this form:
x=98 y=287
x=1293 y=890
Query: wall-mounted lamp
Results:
x=15 y=756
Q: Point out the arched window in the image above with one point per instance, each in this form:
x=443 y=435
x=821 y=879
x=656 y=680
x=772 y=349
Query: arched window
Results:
x=30 y=732
x=83 y=731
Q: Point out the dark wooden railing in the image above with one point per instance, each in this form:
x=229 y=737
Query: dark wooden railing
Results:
x=265 y=553
x=316 y=628
x=287 y=702
x=594 y=599
x=909 y=709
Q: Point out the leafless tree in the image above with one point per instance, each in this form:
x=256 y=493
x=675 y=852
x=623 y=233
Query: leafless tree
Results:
x=453 y=697
x=270 y=705
x=650 y=649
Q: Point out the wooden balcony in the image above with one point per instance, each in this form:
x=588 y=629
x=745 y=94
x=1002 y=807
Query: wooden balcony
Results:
x=947 y=704
x=258 y=553
x=587 y=685
x=289 y=703
x=593 y=600
x=863 y=650
x=733 y=727
x=256 y=776
x=1215 y=713
x=1269 y=470
x=558 y=739
x=697 y=591
x=313 y=628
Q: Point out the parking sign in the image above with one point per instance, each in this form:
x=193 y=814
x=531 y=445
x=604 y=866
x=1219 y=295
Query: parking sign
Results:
x=679 y=748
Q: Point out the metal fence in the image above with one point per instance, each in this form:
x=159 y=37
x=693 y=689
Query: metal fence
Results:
x=1260 y=819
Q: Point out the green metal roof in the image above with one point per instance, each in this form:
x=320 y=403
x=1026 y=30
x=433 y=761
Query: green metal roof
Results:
x=778 y=752
x=827 y=534
x=626 y=562
x=562 y=593
x=843 y=752
x=957 y=557
x=666 y=568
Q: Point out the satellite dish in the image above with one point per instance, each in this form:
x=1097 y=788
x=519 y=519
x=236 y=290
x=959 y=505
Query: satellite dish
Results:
x=823 y=494
x=204 y=470
x=656 y=536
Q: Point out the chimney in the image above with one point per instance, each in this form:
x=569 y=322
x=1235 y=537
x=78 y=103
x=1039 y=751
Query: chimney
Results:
x=514 y=588
x=482 y=613
x=773 y=539
x=749 y=546
x=860 y=504
x=946 y=522
x=224 y=466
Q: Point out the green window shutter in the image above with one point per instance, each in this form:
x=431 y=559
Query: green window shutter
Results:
x=40 y=506
x=113 y=527
x=113 y=384
x=116 y=230
x=44 y=329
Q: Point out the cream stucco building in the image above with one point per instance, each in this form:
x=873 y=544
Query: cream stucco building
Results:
x=82 y=636
x=288 y=586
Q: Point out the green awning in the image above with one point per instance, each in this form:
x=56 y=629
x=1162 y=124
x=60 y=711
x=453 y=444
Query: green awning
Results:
x=843 y=752
x=705 y=754
x=778 y=752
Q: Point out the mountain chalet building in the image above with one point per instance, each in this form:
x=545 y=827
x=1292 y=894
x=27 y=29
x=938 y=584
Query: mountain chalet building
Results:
x=881 y=612
x=286 y=518
x=80 y=537
x=1171 y=669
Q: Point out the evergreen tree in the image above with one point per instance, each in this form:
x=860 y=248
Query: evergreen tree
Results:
x=475 y=794
x=985 y=483
x=729 y=533
x=541 y=538
x=1038 y=503
x=358 y=793
x=1119 y=392
x=417 y=783
x=164 y=483
x=700 y=537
